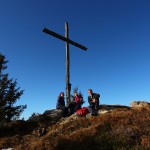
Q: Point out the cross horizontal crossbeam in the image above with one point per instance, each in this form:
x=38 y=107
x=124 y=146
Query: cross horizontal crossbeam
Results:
x=64 y=38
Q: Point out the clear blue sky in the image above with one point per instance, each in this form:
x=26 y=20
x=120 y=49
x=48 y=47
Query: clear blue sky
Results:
x=116 y=64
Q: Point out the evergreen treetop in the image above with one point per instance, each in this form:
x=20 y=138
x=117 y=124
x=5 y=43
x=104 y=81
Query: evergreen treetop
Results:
x=9 y=94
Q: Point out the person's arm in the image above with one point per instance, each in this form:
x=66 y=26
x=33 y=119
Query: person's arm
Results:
x=58 y=106
x=90 y=100
x=95 y=97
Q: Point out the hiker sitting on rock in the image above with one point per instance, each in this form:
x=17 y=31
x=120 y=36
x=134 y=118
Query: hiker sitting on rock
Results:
x=93 y=100
x=61 y=104
x=78 y=99
x=75 y=104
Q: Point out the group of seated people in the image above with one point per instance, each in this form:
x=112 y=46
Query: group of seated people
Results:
x=76 y=103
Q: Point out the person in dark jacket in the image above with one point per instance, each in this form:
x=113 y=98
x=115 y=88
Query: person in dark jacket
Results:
x=61 y=104
x=93 y=100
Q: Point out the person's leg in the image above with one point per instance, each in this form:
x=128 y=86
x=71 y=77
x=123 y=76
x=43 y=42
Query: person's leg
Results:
x=77 y=106
x=89 y=109
x=71 y=108
x=94 y=110
x=65 y=112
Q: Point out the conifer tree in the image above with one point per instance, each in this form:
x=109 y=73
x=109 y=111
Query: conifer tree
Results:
x=9 y=94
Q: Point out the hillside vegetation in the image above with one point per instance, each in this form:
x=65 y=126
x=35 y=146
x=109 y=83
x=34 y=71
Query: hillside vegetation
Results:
x=121 y=129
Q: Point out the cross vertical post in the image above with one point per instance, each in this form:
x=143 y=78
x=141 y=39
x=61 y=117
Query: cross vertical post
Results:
x=68 y=41
x=68 y=85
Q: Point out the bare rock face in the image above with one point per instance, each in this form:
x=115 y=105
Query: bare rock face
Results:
x=139 y=104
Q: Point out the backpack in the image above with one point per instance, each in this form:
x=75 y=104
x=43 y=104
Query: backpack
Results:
x=82 y=112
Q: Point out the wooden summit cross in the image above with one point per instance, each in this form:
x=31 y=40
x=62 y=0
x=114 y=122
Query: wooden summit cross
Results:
x=68 y=41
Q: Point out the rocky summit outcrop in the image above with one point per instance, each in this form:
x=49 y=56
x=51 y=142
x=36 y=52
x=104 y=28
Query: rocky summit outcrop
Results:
x=51 y=117
x=54 y=115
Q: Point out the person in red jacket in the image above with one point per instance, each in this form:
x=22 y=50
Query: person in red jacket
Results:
x=78 y=99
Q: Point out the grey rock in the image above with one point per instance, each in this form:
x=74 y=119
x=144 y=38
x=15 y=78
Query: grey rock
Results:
x=139 y=104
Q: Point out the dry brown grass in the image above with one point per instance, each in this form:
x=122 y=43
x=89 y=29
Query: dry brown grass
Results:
x=120 y=129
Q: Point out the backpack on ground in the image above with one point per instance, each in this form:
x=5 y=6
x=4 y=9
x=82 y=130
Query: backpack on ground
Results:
x=82 y=112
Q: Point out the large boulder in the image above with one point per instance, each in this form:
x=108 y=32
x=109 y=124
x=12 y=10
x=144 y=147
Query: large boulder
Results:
x=139 y=104
x=53 y=115
x=106 y=107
